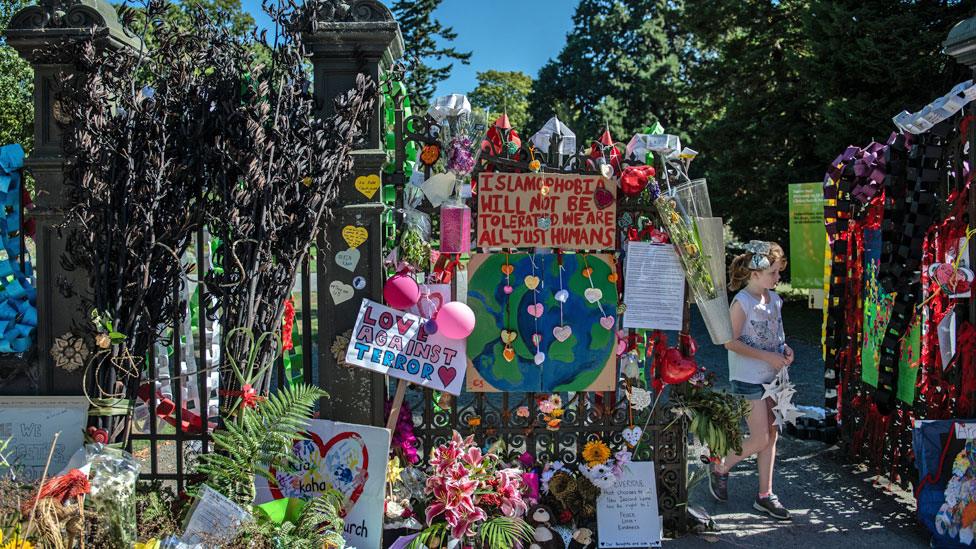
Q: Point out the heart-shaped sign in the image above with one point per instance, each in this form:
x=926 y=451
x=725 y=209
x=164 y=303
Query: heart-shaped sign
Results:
x=593 y=294
x=342 y=464
x=632 y=435
x=562 y=333
x=536 y=310
x=447 y=375
x=508 y=336
x=348 y=259
x=340 y=291
x=531 y=282
x=539 y=358
x=368 y=185
x=562 y=296
x=354 y=236
x=509 y=354
x=607 y=322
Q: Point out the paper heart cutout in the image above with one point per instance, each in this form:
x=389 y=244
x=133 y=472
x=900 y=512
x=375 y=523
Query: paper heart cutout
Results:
x=508 y=336
x=340 y=291
x=607 y=322
x=348 y=259
x=531 y=282
x=507 y=289
x=536 y=339
x=588 y=272
x=539 y=358
x=606 y=170
x=509 y=354
x=632 y=435
x=593 y=294
x=354 y=236
x=508 y=269
x=621 y=346
x=368 y=185
x=562 y=333
x=603 y=198
x=562 y=296
x=536 y=310
x=447 y=375
x=625 y=220
x=612 y=277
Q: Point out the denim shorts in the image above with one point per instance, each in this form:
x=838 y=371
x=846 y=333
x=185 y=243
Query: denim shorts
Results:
x=750 y=391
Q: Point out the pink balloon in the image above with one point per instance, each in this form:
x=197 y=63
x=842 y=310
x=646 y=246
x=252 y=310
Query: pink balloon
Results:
x=455 y=320
x=401 y=291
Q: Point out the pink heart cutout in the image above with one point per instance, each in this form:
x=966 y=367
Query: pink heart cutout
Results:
x=446 y=374
x=536 y=310
x=607 y=322
x=562 y=333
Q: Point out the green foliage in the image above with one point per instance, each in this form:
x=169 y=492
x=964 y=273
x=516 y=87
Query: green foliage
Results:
x=620 y=67
x=425 y=40
x=319 y=525
x=504 y=91
x=256 y=437
x=505 y=532
x=16 y=86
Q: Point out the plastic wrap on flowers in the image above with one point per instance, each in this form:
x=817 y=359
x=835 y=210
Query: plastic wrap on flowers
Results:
x=680 y=209
x=113 y=493
x=715 y=311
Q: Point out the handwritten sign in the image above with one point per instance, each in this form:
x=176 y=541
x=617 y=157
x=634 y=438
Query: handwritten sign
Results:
x=627 y=514
x=566 y=211
x=30 y=424
x=212 y=514
x=394 y=343
x=346 y=457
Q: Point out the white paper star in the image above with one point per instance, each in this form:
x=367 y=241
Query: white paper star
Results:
x=781 y=392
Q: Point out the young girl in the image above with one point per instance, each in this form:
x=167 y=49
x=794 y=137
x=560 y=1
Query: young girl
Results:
x=757 y=352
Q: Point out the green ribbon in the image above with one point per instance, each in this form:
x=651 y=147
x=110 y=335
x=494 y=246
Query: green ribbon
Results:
x=282 y=510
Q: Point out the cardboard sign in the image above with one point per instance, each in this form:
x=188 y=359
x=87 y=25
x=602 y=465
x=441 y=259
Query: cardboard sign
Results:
x=347 y=457
x=627 y=514
x=30 y=423
x=565 y=211
x=394 y=343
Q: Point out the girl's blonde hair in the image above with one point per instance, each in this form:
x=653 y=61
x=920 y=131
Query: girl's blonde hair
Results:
x=743 y=264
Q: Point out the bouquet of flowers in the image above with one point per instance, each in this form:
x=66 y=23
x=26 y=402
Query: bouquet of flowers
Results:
x=473 y=498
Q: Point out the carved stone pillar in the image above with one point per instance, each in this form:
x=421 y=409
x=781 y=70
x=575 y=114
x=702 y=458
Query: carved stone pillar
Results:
x=348 y=38
x=39 y=34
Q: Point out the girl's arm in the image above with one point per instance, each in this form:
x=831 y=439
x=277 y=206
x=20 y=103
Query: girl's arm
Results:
x=736 y=346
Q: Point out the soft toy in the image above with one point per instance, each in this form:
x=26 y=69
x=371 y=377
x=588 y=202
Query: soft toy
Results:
x=583 y=538
x=544 y=537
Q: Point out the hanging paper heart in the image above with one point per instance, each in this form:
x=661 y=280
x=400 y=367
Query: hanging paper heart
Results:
x=632 y=435
x=607 y=322
x=613 y=277
x=508 y=336
x=621 y=342
x=536 y=339
x=587 y=272
x=536 y=309
x=531 y=282
x=539 y=358
x=507 y=289
x=562 y=296
x=509 y=354
x=676 y=369
x=593 y=294
x=562 y=333
x=602 y=197
x=368 y=185
x=508 y=268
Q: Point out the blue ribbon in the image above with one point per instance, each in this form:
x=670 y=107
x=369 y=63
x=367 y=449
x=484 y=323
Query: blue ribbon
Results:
x=18 y=297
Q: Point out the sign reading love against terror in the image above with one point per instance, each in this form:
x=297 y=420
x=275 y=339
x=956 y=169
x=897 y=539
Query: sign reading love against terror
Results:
x=393 y=342
x=565 y=211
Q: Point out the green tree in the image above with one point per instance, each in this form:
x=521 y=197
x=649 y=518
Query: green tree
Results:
x=426 y=42
x=504 y=91
x=620 y=67
x=16 y=86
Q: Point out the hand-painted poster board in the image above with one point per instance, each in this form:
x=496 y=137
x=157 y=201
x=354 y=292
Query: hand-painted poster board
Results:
x=394 y=343
x=347 y=457
x=530 y=210
x=581 y=358
x=31 y=422
x=877 y=310
x=808 y=235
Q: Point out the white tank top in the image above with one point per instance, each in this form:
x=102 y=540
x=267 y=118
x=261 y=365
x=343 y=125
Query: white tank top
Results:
x=763 y=329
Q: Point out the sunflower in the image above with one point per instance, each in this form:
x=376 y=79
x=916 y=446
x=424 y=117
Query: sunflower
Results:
x=15 y=543
x=595 y=453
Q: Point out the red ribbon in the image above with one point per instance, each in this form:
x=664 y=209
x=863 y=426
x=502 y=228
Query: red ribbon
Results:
x=248 y=395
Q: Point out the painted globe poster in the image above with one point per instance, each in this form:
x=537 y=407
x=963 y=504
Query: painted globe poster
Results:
x=571 y=316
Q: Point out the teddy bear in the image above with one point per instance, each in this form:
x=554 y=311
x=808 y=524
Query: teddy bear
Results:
x=583 y=538
x=543 y=537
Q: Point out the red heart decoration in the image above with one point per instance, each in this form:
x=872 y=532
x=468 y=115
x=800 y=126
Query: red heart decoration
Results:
x=634 y=179
x=677 y=369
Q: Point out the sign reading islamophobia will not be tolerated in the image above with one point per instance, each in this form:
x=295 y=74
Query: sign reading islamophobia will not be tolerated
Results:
x=394 y=343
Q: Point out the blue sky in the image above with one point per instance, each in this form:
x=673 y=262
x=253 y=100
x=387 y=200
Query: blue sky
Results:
x=505 y=35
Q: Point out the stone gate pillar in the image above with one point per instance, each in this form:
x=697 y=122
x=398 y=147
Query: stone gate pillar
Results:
x=349 y=38
x=38 y=33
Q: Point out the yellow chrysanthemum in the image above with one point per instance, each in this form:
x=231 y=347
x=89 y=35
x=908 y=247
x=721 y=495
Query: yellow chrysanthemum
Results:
x=595 y=453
